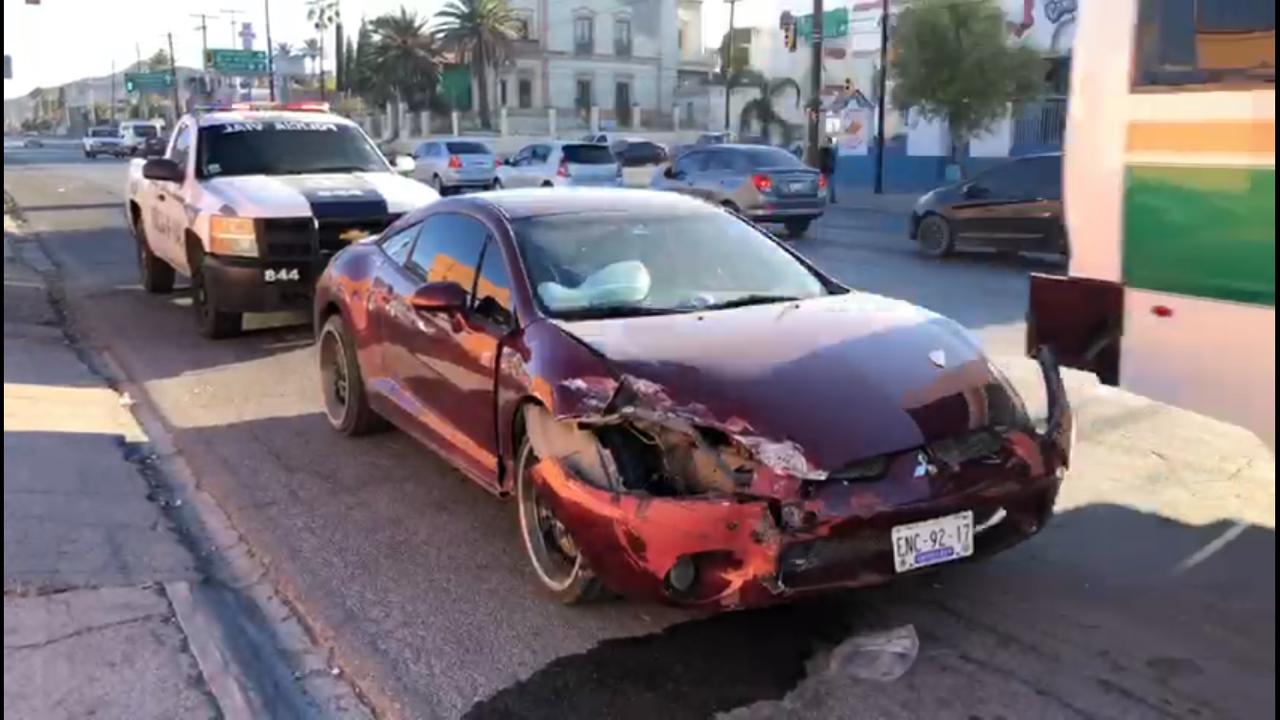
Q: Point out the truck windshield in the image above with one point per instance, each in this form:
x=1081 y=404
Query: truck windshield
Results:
x=285 y=147
x=145 y=131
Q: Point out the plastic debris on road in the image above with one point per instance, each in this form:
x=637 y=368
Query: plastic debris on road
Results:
x=882 y=656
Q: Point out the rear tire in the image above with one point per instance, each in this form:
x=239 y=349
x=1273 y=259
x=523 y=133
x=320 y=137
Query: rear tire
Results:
x=496 y=185
x=211 y=322
x=438 y=185
x=934 y=236
x=797 y=228
x=567 y=578
x=346 y=403
x=155 y=274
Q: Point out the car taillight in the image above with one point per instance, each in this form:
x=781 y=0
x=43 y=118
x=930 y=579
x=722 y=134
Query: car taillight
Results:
x=763 y=183
x=563 y=170
x=822 y=182
x=497 y=163
x=455 y=162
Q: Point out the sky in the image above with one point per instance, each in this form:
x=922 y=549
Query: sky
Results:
x=63 y=40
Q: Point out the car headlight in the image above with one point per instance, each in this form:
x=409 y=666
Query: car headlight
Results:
x=232 y=236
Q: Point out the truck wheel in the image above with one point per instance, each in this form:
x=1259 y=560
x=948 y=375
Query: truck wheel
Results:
x=211 y=322
x=155 y=274
x=556 y=560
x=346 y=403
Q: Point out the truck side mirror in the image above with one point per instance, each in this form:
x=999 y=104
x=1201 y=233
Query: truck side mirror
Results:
x=162 y=169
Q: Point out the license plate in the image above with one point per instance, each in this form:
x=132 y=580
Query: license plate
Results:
x=930 y=542
x=798 y=187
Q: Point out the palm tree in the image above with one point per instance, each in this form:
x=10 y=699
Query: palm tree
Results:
x=322 y=14
x=284 y=49
x=480 y=32
x=402 y=58
x=760 y=110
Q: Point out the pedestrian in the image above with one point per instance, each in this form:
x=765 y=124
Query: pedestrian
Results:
x=827 y=166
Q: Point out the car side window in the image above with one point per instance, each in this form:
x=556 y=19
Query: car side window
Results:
x=397 y=246
x=541 y=153
x=1047 y=173
x=522 y=157
x=723 y=162
x=448 y=249
x=1004 y=181
x=180 y=148
x=691 y=163
x=422 y=151
x=493 y=287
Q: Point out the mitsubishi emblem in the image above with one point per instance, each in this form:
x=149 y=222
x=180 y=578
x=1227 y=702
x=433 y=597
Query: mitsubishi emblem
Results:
x=939 y=358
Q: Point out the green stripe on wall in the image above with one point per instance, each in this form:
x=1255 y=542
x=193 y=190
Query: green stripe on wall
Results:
x=1203 y=231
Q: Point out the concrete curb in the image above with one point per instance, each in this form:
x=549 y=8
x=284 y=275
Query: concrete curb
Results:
x=256 y=655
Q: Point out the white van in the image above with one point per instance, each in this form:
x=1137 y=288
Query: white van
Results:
x=134 y=134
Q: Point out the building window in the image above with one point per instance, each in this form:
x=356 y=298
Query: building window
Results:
x=622 y=37
x=584 y=35
x=582 y=100
x=522 y=28
x=526 y=93
x=1196 y=42
x=502 y=92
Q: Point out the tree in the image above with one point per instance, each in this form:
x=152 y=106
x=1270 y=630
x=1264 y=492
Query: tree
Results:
x=760 y=110
x=480 y=32
x=350 y=81
x=311 y=49
x=339 y=59
x=284 y=49
x=401 y=58
x=159 y=61
x=953 y=60
x=322 y=14
x=740 y=58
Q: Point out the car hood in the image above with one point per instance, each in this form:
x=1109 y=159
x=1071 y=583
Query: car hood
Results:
x=845 y=378
x=364 y=194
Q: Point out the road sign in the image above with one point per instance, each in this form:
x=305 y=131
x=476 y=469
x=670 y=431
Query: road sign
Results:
x=835 y=24
x=147 y=81
x=236 y=62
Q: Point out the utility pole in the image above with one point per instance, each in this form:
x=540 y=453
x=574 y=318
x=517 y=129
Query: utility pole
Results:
x=204 y=30
x=815 y=87
x=728 y=65
x=233 y=14
x=271 y=62
x=173 y=80
x=880 y=90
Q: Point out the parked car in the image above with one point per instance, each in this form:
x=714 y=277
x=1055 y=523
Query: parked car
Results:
x=33 y=142
x=1015 y=206
x=103 y=140
x=654 y=381
x=452 y=165
x=766 y=184
x=560 y=164
x=640 y=159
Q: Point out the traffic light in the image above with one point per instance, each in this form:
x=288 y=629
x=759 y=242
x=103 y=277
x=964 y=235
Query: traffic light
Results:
x=848 y=86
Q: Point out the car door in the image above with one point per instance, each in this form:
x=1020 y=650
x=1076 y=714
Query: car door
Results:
x=424 y=162
x=539 y=169
x=511 y=174
x=166 y=220
x=1040 y=216
x=982 y=215
x=439 y=363
x=684 y=174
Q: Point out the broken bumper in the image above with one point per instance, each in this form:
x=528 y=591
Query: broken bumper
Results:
x=788 y=536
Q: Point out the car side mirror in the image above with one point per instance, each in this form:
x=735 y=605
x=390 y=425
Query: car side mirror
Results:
x=439 y=296
x=162 y=169
x=405 y=165
x=671 y=173
x=974 y=190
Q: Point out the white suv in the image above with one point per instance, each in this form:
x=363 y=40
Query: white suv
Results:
x=560 y=164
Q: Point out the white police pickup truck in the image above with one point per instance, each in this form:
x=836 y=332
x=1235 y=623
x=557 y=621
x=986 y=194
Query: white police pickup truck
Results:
x=250 y=202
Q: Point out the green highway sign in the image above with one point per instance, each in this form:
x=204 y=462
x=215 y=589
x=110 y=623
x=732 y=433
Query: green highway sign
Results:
x=835 y=24
x=236 y=62
x=145 y=81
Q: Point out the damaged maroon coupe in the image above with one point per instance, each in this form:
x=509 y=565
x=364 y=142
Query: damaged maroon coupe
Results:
x=685 y=409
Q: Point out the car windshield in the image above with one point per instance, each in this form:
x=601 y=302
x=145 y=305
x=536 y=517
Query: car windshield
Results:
x=285 y=147
x=466 y=148
x=588 y=155
x=102 y=133
x=623 y=264
x=145 y=131
x=642 y=153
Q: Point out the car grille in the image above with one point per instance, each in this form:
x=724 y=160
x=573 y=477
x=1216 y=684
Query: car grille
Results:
x=305 y=238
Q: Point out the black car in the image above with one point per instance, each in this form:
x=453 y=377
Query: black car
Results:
x=154 y=147
x=1014 y=207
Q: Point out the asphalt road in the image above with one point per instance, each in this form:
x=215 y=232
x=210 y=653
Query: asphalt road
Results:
x=1152 y=594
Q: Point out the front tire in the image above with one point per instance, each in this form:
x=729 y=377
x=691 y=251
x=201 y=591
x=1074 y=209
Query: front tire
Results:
x=935 y=236
x=497 y=184
x=438 y=185
x=560 y=568
x=797 y=228
x=154 y=274
x=346 y=402
x=211 y=322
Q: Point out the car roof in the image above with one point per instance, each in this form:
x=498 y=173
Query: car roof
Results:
x=227 y=117
x=535 y=202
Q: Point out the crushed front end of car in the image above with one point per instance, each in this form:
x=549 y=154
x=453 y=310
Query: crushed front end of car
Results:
x=666 y=502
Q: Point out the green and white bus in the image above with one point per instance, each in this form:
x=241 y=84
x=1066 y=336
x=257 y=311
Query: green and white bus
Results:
x=1169 y=188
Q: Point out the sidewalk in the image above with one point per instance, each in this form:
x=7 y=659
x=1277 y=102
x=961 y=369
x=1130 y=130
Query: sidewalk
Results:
x=88 y=625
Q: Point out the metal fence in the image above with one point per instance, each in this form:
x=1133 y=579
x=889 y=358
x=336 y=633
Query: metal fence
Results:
x=1041 y=123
